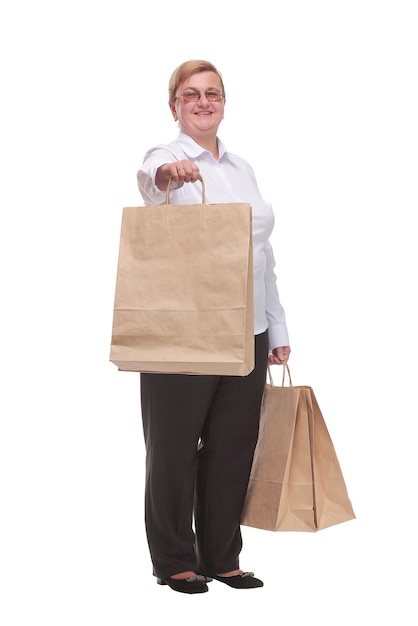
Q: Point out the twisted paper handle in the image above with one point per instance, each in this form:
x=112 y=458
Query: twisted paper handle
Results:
x=285 y=369
x=167 y=193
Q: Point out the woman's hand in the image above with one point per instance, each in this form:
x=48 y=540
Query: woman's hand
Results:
x=279 y=355
x=179 y=172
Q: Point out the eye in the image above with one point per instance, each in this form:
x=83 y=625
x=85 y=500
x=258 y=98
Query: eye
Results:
x=213 y=94
x=191 y=95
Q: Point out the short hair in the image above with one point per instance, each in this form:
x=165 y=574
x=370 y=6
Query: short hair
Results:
x=184 y=71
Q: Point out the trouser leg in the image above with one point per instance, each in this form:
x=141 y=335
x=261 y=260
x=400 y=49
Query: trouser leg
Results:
x=174 y=408
x=225 y=458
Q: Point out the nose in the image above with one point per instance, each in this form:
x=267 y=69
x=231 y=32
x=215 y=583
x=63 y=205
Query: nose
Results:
x=203 y=101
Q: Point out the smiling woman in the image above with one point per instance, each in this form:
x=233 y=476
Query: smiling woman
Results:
x=201 y=431
x=197 y=102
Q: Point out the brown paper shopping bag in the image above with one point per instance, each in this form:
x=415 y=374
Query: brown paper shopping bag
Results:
x=184 y=290
x=296 y=483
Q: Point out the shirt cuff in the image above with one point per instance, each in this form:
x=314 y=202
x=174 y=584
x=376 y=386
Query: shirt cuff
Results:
x=278 y=336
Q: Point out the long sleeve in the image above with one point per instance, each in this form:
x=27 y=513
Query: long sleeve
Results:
x=154 y=159
x=276 y=317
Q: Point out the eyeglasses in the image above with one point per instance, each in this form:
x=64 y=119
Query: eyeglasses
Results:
x=191 y=95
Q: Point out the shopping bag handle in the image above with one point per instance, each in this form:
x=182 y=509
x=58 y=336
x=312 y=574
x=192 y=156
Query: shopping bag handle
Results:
x=167 y=193
x=285 y=369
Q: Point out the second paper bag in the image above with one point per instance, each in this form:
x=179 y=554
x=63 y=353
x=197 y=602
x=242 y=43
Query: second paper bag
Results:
x=296 y=482
x=184 y=290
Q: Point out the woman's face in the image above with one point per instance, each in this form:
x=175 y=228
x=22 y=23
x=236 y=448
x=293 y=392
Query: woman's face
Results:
x=199 y=119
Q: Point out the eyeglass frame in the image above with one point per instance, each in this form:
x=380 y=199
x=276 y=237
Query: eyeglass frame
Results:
x=196 y=91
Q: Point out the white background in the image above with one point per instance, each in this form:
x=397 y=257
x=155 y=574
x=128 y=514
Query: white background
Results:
x=322 y=100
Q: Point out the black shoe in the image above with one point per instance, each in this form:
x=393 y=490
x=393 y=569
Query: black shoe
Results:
x=194 y=584
x=240 y=581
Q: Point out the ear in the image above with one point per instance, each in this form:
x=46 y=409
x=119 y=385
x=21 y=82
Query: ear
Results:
x=173 y=111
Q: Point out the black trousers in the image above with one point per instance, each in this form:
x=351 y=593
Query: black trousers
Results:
x=200 y=435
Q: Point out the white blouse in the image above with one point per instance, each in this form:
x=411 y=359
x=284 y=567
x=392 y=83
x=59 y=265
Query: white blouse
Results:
x=229 y=179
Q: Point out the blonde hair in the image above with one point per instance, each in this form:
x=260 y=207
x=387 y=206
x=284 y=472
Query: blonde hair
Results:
x=184 y=71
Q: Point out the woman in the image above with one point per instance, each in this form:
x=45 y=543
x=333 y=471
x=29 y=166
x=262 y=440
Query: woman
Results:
x=201 y=431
